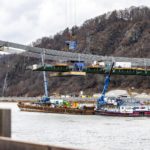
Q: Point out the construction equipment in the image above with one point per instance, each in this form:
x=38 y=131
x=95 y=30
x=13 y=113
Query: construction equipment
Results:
x=45 y=98
x=67 y=74
x=72 y=45
x=101 y=100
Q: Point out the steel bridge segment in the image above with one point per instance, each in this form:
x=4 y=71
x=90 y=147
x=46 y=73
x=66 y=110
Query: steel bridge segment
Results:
x=61 y=55
x=89 y=69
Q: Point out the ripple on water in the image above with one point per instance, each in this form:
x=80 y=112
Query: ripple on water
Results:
x=87 y=132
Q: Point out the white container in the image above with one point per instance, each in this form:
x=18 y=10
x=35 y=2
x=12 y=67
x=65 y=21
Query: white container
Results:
x=35 y=66
x=123 y=64
x=101 y=64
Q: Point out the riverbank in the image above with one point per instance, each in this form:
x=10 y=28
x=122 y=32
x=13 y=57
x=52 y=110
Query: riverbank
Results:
x=115 y=93
x=119 y=92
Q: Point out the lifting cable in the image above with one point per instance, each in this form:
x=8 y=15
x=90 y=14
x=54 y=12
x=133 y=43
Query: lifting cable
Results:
x=71 y=21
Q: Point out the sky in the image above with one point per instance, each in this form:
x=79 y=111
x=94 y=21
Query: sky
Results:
x=25 y=21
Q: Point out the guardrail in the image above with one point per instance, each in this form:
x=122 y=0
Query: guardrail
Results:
x=9 y=144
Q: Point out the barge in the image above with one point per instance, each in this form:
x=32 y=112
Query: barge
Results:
x=48 y=108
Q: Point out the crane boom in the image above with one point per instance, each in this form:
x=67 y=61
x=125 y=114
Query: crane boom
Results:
x=45 y=98
x=101 y=101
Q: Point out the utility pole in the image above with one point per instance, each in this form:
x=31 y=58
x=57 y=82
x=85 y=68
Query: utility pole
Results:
x=5 y=84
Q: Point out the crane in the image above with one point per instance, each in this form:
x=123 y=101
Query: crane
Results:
x=45 y=98
x=101 y=100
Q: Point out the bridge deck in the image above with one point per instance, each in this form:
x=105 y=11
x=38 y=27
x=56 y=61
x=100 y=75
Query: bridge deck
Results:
x=56 y=55
x=94 y=70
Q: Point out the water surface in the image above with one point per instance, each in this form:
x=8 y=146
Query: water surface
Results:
x=87 y=132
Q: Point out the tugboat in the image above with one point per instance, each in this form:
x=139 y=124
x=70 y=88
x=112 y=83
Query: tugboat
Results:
x=123 y=108
x=118 y=106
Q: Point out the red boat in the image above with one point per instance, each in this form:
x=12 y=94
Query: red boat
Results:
x=127 y=109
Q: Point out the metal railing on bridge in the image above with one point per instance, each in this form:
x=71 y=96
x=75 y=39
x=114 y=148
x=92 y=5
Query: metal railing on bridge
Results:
x=62 y=55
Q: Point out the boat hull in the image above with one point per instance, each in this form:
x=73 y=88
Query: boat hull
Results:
x=85 y=111
x=61 y=110
x=134 y=114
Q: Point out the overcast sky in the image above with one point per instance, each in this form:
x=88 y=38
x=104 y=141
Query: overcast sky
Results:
x=24 y=21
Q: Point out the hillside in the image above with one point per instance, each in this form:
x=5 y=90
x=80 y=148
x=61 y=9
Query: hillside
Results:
x=119 y=33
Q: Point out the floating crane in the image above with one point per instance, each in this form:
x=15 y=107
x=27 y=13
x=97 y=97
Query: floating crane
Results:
x=101 y=100
x=45 y=98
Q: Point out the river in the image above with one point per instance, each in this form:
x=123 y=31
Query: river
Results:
x=85 y=132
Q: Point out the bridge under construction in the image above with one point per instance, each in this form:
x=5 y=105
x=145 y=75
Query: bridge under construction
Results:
x=71 y=70
x=140 y=66
x=56 y=55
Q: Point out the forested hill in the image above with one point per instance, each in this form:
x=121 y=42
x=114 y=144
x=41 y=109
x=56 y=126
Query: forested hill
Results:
x=118 y=33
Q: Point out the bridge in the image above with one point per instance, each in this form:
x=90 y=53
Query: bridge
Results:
x=56 y=55
x=65 y=70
